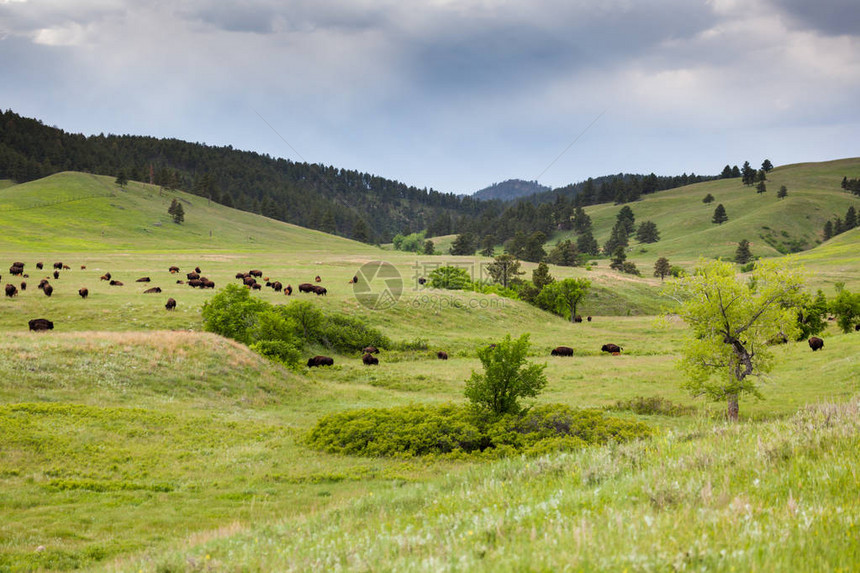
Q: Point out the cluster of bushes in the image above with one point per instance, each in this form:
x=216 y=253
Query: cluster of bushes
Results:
x=839 y=226
x=851 y=185
x=652 y=405
x=414 y=243
x=458 y=278
x=281 y=332
x=459 y=430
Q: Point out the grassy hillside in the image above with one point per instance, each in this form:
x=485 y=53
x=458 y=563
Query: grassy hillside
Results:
x=773 y=226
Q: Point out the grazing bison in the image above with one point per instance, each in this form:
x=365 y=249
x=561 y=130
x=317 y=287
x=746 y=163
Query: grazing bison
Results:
x=11 y=290
x=192 y=276
x=180 y=282
x=56 y=274
x=442 y=355
x=241 y=276
x=611 y=348
x=277 y=286
x=562 y=351
x=577 y=318
x=142 y=280
x=256 y=286
x=207 y=283
x=317 y=279
x=249 y=281
x=67 y=268
x=288 y=290
x=115 y=283
x=83 y=267
x=320 y=361
x=41 y=324
x=153 y=290
x=23 y=285
x=588 y=319
x=371 y=350
x=816 y=343
x=84 y=292
x=370 y=360
x=306 y=287
x=174 y=269
x=197 y=270
x=105 y=277
x=422 y=281
x=320 y=290
x=18 y=264
x=255 y=273
x=195 y=283
x=15 y=271
x=39 y=265
x=58 y=266
x=857 y=327
x=48 y=290
x=171 y=304
x=42 y=284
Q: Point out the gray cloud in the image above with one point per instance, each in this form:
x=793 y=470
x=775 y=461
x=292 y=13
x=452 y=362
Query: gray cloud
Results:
x=831 y=17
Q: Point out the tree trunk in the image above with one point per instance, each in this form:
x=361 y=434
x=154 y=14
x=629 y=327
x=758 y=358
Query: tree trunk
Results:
x=733 y=408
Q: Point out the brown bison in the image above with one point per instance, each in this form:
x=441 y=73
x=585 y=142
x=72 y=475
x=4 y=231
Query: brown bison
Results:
x=192 y=276
x=288 y=290
x=207 y=283
x=83 y=267
x=15 y=271
x=42 y=284
x=422 y=281
x=317 y=279
x=370 y=360
x=105 y=277
x=249 y=281
x=56 y=274
x=39 y=265
x=11 y=290
x=816 y=343
x=255 y=273
x=857 y=327
x=142 y=280
x=23 y=285
x=84 y=292
x=588 y=319
x=18 y=264
x=171 y=304
x=41 y=324
x=562 y=351
x=256 y=286
x=173 y=269
x=241 y=276
x=115 y=283
x=67 y=268
x=442 y=355
x=319 y=290
x=277 y=286
x=48 y=290
x=306 y=287
x=577 y=318
x=371 y=350
x=320 y=361
x=195 y=283
x=153 y=290
x=197 y=270
x=611 y=348
x=58 y=266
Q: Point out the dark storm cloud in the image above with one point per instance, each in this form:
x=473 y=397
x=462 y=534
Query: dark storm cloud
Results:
x=830 y=17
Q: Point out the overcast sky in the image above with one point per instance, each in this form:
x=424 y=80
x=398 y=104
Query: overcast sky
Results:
x=451 y=94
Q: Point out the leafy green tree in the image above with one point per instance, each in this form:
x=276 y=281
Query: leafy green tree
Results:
x=541 y=276
x=782 y=193
x=766 y=165
x=464 y=244
x=846 y=307
x=662 y=268
x=708 y=199
x=761 y=187
x=812 y=315
x=731 y=321
x=233 y=313
x=121 y=178
x=507 y=377
x=564 y=296
x=565 y=254
x=743 y=255
x=504 y=269
x=618 y=258
x=647 y=232
x=720 y=216
x=429 y=247
x=587 y=244
x=451 y=278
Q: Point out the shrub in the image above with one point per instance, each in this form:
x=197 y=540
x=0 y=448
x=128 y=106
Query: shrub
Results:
x=451 y=278
x=652 y=405
x=279 y=351
x=233 y=313
x=350 y=334
x=507 y=377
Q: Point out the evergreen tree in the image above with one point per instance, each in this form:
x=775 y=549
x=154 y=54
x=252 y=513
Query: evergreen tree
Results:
x=748 y=174
x=845 y=182
x=743 y=254
x=504 y=269
x=587 y=244
x=708 y=199
x=618 y=258
x=617 y=238
x=838 y=227
x=662 y=268
x=488 y=246
x=736 y=172
x=760 y=176
x=464 y=244
x=429 y=247
x=534 y=251
x=647 y=232
x=761 y=187
x=626 y=217
x=782 y=193
x=720 y=215
x=177 y=212
x=581 y=220
x=727 y=172
x=565 y=254
x=361 y=233
x=121 y=179
x=850 y=218
x=541 y=276
x=828 y=230
x=766 y=165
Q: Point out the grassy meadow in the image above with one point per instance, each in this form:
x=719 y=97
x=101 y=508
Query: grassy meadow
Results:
x=131 y=440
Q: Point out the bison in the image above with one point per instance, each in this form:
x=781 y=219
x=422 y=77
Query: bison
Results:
x=41 y=324
x=442 y=355
x=56 y=274
x=422 y=281
x=370 y=360
x=320 y=361
x=320 y=290
x=42 y=284
x=256 y=286
x=288 y=290
x=84 y=292
x=371 y=350
x=48 y=290
x=195 y=283
x=277 y=286
x=207 y=283
x=173 y=269
x=562 y=351
x=588 y=319
x=306 y=287
x=142 y=280
x=171 y=304
x=105 y=277
x=153 y=290
x=115 y=283
x=58 y=266
x=67 y=268
x=857 y=327
x=611 y=348
x=255 y=273
x=816 y=343
x=11 y=290
x=15 y=271
x=192 y=276
x=317 y=279
x=577 y=318
x=249 y=281
x=23 y=285
x=241 y=276
x=39 y=265
x=197 y=270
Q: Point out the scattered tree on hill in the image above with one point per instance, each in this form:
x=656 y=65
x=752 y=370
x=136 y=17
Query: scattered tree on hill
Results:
x=450 y=277
x=851 y=185
x=617 y=238
x=748 y=174
x=766 y=165
x=618 y=258
x=565 y=254
x=587 y=244
x=736 y=172
x=627 y=218
x=429 y=247
x=488 y=246
x=708 y=199
x=828 y=230
x=534 y=251
x=507 y=377
x=361 y=232
x=464 y=244
x=564 y=296
x=727 y=172
x=504 y=269
x=812 y=315
x=647 y=232
x=662 y=268
x=541 y=276
x=743 y=254
x=761 y=187
x=850 y=218
x=846 y=307
x=176 y=211
x=838 y=226
x=732 y=320
x=121 y=179
x=581 y=220
x=782 y=193
x=720 y=216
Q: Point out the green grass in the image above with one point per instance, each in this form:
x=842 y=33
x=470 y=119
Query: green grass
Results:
x=131 y=440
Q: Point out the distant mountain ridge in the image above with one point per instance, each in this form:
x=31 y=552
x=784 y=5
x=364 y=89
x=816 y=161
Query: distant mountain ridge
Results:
x=510 y=190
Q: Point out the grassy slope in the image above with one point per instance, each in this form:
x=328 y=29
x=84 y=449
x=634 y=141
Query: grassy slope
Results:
x=165 y=469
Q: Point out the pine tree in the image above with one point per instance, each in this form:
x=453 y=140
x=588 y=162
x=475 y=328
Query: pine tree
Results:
x=838 y=227
x=121 y=179
x=720 y=215
x=565 y=254
x=782 y=193
x=541 y=276
x=748 y=174
x=587 y=244
x=177 y=211
x=760 y=188
x=662 y=267
x=850 y=218
x=625 y=216
x=727 y=172
x=761 y=175
x=708 y=199
x=360 y=231
x=828 y=230
x=766 y=165
x=736 y=172
x=488 y=246
x=618 y=238
x=429 y=247
x=743 y=254
x=581 y=220
x=618 y=258
x=464 y=244
x=647 y=232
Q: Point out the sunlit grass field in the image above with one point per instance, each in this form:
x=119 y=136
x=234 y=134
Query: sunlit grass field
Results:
x=131 y=440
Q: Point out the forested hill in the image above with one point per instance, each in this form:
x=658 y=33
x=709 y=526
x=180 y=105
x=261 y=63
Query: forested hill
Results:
x=510 y=190
x=357 y=205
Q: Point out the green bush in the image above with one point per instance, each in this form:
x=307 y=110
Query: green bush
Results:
x=454 y=430
x=451 y=278
x=279 y=351
x=652 y=405
x=233 y=313
x=348 y=334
